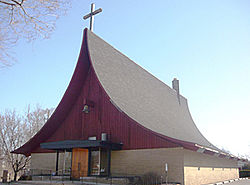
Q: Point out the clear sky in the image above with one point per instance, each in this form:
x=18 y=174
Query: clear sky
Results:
x=205 y=44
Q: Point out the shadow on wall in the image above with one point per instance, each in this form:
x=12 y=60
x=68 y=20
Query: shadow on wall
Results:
x=244 y=173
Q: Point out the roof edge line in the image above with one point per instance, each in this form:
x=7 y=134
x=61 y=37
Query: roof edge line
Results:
x=186 y=144
x=25 y=149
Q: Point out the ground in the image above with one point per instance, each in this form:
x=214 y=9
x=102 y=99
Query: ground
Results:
x=241 y=182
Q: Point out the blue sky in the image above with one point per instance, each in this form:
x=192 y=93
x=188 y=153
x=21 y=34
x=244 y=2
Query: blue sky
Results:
x=205 y=44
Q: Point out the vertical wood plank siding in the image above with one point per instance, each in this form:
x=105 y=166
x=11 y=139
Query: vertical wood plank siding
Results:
x=68 y=122
x=104 y=117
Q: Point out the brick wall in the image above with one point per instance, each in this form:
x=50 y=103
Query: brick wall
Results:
x=202 y=175
x=203 y=169
x=138 y=162
x=187 y=166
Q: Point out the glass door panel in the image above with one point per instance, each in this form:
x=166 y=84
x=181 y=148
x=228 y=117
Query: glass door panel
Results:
x=95 y=162
x=104 y=162
x=99 y=161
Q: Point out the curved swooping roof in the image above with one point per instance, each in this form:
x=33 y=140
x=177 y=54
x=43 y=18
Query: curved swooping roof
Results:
x=140 y=95
x=137 y=93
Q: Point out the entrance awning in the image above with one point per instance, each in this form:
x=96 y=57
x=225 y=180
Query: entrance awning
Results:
x=69 y=144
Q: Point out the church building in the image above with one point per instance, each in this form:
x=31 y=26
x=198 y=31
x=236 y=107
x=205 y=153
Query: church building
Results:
x=117 y=119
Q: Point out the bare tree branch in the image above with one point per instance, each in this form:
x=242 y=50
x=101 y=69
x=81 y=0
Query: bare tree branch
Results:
x=27 y=19
x=15 y=130
x=7 y=3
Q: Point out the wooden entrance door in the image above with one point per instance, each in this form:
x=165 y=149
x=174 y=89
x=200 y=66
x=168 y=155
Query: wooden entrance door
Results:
x=79 y=163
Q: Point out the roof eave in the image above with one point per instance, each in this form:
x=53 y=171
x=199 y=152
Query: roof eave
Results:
x=69 y=97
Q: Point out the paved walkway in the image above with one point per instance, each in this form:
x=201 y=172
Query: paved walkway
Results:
x=241 y=182
x=52 y=183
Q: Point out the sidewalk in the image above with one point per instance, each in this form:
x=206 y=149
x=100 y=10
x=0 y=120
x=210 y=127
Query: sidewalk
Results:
x=239 y=181
x=52 y=183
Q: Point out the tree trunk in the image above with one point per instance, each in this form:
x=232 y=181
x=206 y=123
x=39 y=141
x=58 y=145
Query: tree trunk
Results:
x=15 y=175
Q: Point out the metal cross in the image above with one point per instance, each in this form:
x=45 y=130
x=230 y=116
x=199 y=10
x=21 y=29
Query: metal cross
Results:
x=91 y=15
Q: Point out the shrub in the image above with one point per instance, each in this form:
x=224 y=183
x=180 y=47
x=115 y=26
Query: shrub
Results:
x=149 y=178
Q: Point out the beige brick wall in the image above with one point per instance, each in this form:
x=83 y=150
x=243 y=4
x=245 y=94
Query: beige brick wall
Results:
x=47 y=161
x=193 y=176
x=141 y=161
x=211 y=168
x=138 y=162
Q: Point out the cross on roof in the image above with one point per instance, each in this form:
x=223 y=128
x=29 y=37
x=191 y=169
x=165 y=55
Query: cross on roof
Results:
x=91 y=16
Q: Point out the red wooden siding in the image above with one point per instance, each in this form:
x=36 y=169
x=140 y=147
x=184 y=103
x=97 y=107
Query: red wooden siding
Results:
x=68 y=122
x=104 y=117
x=66 y=104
